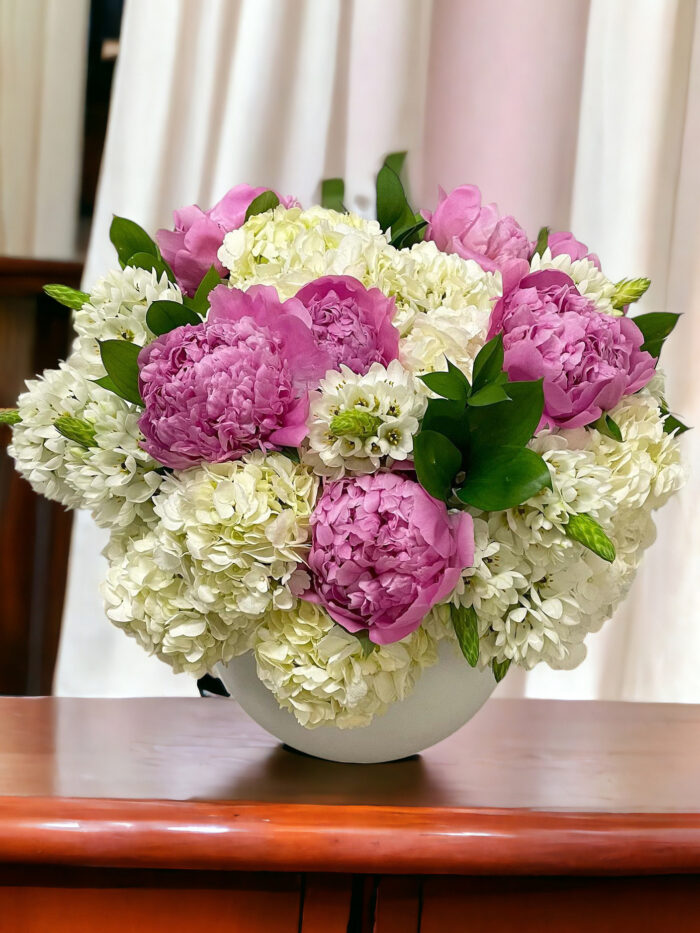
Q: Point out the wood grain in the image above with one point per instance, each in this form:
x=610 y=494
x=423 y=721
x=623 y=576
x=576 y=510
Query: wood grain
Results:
x=528 y=787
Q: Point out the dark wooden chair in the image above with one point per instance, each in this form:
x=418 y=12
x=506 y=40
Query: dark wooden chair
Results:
x=35 y=333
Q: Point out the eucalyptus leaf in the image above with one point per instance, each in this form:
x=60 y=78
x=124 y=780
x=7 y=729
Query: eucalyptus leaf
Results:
x=500 y=669
x=503 y=477
x=120 y=359
x=164 y=316
x=589 y=533
x=655 y=328
x=9 y=416
x=466 y=626
x=67 y=296
x=130 y=240
x=437 y=461
x=332 y=194
x=488 y=364
x=266 y=201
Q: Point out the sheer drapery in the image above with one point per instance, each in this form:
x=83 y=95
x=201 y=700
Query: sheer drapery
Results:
x=43 y=56
x=576 y=114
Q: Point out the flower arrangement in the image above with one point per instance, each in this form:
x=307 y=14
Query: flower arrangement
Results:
x=335 y=442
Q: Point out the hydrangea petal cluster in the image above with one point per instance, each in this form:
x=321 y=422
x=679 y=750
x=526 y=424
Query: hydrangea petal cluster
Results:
x=384 y=553
x=588 y=361
x=390 y=401
x=350 y=322
x=191 y=248
x=320 y=673
x=237 y=382
x=462 y=224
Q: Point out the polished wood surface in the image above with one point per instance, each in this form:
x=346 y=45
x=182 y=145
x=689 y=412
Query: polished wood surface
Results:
x=527 y=787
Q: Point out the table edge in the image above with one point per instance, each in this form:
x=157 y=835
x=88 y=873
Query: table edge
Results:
x=264 y=836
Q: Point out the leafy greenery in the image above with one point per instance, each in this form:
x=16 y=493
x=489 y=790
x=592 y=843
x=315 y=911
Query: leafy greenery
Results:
x=9 y=416
x=76 y=429
x=655 y=328
x=394 y=213
x=542 y=241
x=671 y=423
x=136 y=248
x=588 y=532
x=120 y=359
x=367 y=646
x=608 y=427
x=200 y=302
x=481 y=430
x=332 y=194
x=164 y=316
x=65 y=295
x=627 y=291
x=466 y=628
x=266 y=201
x=500 y=669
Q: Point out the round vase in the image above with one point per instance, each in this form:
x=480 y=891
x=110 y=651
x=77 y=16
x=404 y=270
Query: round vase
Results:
x=445 y=697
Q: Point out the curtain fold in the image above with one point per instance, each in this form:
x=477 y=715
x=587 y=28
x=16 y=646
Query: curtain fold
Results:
x=582 y=115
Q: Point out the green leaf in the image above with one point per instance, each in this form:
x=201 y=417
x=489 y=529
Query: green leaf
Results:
x=291 y=453
x=542 y=241
x=164 y=316
x=436 y=460
x=671 y=423
x=266 y=201
x=395 y=161
x=120 y=359
x=367 y=646
x=393 y=210
x=627 y=291
x=409 y=236
x=150 y=261
x=130 y=239
x=503 y=477
x=655 y=328
x=608 y=427
x=488 y=364
x=200 y=302
x=588 y=532
x=508 y=424
x=65 y=295
x=106 y=383
x=332 y=194
x=448 y=417
x=452 y=384
x=489 y=395
x=76 y=429
x=9 y=416
x=466 y=628
x=500 y=669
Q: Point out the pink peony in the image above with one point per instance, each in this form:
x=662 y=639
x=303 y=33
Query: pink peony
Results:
x=384 y=553
x=236 y=382
x=566 y=243
x=191 y=248
x=461 y=224
x=588 y=360
x=352 y=323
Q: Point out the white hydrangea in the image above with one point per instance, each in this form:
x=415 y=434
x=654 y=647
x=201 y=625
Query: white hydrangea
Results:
x=589 y=280
x=356 y=422
x=241 y=528
x=537 y=593
x=319 y=671
x=289 y=247
x=117 y=311
x=148 y=593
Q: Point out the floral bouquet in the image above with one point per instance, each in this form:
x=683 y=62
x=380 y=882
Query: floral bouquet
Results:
x=334 y=443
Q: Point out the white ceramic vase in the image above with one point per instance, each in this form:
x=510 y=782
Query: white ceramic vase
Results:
x=445 y=697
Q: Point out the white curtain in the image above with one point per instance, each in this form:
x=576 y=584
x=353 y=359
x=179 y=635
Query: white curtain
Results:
x=574 y=114
x=43 y=54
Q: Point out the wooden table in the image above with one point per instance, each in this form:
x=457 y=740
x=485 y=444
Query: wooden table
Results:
x=182 y=815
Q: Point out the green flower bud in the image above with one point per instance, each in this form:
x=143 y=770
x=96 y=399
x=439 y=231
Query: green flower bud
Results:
x=9 y=416
x=627 y=291
x=76 y=429
x=355 y=423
